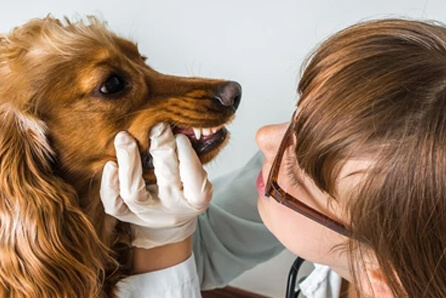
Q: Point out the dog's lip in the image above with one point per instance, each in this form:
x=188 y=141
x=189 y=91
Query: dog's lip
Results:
x=197 y=134
x=202 y=142
x=206 y=143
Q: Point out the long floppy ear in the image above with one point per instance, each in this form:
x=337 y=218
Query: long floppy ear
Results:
x=48 y=248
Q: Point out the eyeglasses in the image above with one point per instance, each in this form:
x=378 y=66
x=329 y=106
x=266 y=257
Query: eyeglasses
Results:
x=274 y=190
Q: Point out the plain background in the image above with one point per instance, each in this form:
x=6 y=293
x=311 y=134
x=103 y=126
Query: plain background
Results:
x=260 y=44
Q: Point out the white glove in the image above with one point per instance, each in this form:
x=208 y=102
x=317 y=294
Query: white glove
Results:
x=163 y=213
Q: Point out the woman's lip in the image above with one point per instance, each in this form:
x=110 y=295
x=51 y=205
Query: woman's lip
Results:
x=260 y=184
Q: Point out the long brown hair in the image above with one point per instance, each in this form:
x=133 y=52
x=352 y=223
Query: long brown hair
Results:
x=377 y=90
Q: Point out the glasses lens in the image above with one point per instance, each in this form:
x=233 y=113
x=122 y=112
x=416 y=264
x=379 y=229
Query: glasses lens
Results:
x=291 y=179
x=287 y=178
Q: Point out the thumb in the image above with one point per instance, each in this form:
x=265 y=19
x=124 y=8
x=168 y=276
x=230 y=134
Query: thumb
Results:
x=196 y=187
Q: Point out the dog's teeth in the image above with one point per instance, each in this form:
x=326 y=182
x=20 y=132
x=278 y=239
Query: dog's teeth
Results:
x=206 y=131
x=218 y=128
x=197 y=133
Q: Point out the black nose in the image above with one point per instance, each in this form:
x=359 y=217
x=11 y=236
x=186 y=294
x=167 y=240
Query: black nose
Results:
x=229 y=95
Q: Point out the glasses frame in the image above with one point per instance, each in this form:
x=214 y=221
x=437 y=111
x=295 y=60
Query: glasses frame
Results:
x=273 y=189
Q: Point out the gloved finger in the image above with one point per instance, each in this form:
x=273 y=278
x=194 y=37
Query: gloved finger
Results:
x=114 y=205
x=196 y=187
x=165 y=161
x=109 y=191
x=131 y=184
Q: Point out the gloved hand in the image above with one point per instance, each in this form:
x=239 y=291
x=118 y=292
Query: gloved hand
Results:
x=163 y=213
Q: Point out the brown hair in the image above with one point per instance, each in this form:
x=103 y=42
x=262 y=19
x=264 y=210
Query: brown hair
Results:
x=377 y=90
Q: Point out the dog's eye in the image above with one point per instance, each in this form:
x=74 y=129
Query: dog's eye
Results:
x=113 y=85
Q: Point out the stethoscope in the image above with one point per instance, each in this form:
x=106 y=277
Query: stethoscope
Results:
x=291 y=291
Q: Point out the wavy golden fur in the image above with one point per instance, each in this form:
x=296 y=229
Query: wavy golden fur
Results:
x=57 y=129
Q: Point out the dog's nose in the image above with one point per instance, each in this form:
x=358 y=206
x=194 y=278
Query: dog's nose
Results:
x=229 y=95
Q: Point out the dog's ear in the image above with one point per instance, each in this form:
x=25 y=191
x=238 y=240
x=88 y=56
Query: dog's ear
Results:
x=48 y=248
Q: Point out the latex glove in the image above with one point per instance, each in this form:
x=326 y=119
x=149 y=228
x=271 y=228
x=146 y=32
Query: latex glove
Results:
x=163 y=213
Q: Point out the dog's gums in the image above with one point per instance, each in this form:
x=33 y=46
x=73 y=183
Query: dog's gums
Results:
x=203 y=140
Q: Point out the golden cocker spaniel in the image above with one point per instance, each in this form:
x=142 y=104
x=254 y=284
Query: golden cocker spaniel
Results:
x=66 y=89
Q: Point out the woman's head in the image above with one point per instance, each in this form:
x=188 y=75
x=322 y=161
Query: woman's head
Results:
x=370 y=136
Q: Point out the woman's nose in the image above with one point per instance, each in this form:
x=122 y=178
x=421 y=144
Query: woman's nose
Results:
x=269 y=137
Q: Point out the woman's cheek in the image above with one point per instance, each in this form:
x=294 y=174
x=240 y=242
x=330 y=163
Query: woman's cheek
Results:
x=268 y=215
x=298 y=234
x=262 y=210
x=279 y=222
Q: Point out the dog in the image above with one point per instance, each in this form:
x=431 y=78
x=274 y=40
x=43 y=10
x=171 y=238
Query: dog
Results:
x=66 y=89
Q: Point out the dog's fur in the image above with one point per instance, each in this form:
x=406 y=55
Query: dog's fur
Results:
x=56 y=134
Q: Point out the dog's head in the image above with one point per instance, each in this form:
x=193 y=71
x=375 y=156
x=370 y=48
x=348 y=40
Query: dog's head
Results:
x=87 y=84
x=66 y=90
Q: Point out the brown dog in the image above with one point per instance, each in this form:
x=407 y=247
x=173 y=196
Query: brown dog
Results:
x=66 y=89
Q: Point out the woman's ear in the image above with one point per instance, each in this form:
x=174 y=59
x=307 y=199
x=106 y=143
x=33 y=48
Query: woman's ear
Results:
x=373 y=282
x=48 y=246
x=376 y=285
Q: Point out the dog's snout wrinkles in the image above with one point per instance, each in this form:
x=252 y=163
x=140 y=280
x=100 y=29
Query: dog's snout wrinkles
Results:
x=230 y=95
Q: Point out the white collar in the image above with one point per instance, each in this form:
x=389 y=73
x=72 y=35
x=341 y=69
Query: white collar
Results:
x=321 y=283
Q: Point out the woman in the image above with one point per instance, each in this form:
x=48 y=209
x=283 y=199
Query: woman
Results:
x=357 y=184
